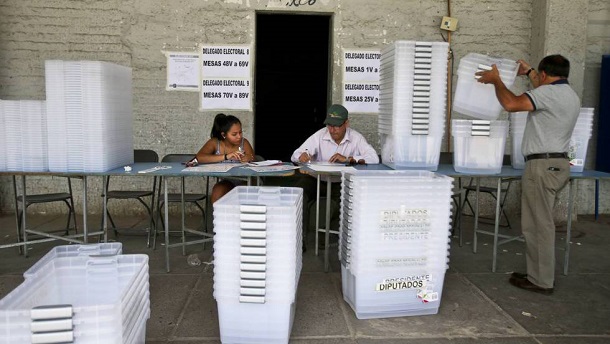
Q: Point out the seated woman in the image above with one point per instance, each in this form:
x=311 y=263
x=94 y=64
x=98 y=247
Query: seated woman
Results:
x=226 y=145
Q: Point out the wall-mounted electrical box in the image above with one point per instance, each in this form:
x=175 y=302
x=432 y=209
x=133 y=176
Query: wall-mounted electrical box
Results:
x=449 y=24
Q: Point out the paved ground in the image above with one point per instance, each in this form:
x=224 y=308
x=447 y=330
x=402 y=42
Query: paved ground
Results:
x=477 y=305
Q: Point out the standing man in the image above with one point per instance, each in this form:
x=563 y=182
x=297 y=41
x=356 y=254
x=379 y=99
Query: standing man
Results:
x=553 y=110
x=337 y=143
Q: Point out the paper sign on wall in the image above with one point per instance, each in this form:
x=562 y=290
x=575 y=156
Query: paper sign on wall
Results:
x=183 y=71
x=361 y=80
x=225 y=77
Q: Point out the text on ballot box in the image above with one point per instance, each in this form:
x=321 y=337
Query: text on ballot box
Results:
x=361 y=80
x=226 y=61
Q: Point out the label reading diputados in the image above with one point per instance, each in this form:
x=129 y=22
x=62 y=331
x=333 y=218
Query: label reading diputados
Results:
x=403 y=283
x=405 y=224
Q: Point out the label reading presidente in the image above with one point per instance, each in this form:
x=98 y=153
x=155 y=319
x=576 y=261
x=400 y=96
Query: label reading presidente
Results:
x=405 y=224
x=403 y=283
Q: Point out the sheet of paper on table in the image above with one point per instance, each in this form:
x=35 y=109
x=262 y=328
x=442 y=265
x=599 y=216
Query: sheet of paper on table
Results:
x=265 y=163
x=211 y=167
x=273 y=168
x=330 y=167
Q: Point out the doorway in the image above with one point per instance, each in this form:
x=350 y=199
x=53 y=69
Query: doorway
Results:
x=291 y=80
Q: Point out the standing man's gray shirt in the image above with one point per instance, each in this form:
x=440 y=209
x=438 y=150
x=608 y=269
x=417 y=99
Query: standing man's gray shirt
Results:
x=549 y=126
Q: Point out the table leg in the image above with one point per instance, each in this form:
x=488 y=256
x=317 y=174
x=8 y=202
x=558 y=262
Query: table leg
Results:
x=496 y=226
x=23 y=217
x=460 y=210
x=17 y=222
x=327 y=229
x=85 y=231
x=166 y=210
x=596 y=199
x=476 y=217
x=317 y=210
x=105 y=209
x=566 y=256
x=182 y=220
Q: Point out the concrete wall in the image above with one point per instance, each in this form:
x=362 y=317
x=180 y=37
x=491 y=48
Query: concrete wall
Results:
x=134 y=32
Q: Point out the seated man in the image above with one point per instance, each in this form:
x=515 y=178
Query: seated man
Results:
x=336 y=142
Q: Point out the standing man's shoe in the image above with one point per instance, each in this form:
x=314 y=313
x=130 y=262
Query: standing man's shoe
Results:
x=520 y=275
x=524 y=283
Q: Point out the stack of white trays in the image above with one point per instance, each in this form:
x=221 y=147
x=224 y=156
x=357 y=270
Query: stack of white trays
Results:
x=99 y=249
x=24 y=136
x=478 y=145
x=257 y=262
x=475 y=99
x=579 y=142
x=2 y=138
x=394 y=241
x=89 y=114
x=79 y=299
x=412 y=103
x=517 y=128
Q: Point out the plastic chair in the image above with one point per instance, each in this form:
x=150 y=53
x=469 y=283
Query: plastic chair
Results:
x=21 y=211
x=176 y=197
x=139 y=155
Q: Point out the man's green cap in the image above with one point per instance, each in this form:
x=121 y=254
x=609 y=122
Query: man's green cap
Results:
x=336 y=115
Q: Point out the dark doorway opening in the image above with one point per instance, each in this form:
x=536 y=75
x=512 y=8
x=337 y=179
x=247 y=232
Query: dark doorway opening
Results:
x=291 y=79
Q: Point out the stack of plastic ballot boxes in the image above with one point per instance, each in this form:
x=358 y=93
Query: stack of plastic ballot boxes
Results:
x=479 y=101
x=23 y=136
x=579 y=142
x=89 y=116
x=517 y=128
x=257 y=262
x=412 y=103
x=394 y=241
x=80 y=294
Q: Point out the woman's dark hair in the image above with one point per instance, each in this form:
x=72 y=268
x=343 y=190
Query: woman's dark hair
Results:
x=555 y=65
x=222 y=124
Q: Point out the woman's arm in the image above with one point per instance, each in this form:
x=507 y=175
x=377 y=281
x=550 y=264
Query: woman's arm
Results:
x=207 y=153
x=248 y=152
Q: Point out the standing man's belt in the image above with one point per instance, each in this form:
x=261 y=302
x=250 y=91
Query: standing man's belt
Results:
x=547 y=156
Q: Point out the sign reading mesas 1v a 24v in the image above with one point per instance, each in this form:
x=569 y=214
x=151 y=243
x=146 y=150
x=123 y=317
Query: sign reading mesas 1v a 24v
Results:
x=225 y=77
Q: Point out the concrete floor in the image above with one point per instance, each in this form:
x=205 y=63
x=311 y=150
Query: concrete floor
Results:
x=477 y=305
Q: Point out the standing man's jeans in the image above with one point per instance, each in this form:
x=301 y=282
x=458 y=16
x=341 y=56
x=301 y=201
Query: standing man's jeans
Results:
x=542 y=180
